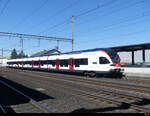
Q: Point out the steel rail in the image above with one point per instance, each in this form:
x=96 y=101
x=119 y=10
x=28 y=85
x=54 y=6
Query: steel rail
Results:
x=117 y=85
x=126 y=79
x=94 y=95
x=32 y=101
x=128 y=104
x=100 y=83
x=2 y=109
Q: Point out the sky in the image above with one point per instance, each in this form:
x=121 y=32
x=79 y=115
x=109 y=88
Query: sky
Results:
x=97 y=23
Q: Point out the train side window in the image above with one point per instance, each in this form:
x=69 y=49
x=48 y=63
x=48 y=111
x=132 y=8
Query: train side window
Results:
x=44 y=62
x=36 y=63
x=25 y=62
x=79 y=62
x=103 y=60
x=29 y=62
x=51 y=62
x=63 y=63
x=84 y=61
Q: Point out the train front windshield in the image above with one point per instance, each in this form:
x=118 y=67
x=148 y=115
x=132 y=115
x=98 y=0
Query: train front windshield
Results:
x=113 y=55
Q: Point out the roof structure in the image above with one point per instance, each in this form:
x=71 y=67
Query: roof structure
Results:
x=134 y=47
x=46 y=52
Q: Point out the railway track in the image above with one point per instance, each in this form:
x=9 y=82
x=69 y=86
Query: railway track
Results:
x=116 y=85
x=2 y=110
x=136 y=80
x=34 y=105
x=125 y=101
x=102 y=96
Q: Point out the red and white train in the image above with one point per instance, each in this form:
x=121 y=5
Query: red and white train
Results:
x=89 y=62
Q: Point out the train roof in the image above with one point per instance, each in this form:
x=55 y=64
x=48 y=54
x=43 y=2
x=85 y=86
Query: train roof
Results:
x=74 y=52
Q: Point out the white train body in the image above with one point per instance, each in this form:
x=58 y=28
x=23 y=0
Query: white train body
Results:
x=97 y=61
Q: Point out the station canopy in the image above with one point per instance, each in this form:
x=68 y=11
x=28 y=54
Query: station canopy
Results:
x=133 y=47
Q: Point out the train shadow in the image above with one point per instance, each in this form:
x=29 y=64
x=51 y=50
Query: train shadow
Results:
x=119 y=76
x=123 y=106
x=8 y=97
x=101 y=110
x=116 y=76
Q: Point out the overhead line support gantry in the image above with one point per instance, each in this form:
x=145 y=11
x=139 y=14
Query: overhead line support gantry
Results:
x=27 y=36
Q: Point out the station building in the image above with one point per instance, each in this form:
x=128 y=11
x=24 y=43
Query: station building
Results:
x=127 y=56
x=134 y=53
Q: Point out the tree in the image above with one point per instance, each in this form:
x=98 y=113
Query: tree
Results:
x=21 y=55
x=14 y=54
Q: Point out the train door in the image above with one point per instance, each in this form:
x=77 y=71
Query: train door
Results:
x=57 y=64
x=71 y=64
x=22 y=64
x=39 y=66
x=32 y=64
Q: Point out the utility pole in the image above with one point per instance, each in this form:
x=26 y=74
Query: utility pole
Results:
x=39 y=43
x=21 y=44
x=57 y=47
x=2 y=52
x=2 y=56
x=72 y=33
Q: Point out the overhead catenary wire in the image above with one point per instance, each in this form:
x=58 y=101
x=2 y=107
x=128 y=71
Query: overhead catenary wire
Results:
x=22 y=21
x=57 y=25
x=91 y=10
x=122 y=8
x=105 y=5
x=113 y=11
x=125 y=20
x=127 y=26
x=46 y=19
x=136 y=32
x=94 y=9
x=118 y=10
x=4 y=7
x=121 y=35
x=84 y=13
x=0 y=2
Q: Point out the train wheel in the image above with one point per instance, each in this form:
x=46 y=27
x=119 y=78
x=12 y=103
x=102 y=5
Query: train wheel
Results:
x=86 y=74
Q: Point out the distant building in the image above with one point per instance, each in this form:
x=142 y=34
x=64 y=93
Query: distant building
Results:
x=3 y=62
x=46 y=52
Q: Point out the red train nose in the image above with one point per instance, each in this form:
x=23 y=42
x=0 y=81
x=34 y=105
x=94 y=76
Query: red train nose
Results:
x=116 y=63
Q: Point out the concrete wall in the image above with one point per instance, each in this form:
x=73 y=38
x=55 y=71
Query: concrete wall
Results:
x=137 y=72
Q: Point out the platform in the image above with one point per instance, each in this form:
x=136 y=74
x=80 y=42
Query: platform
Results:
x=140 y=72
